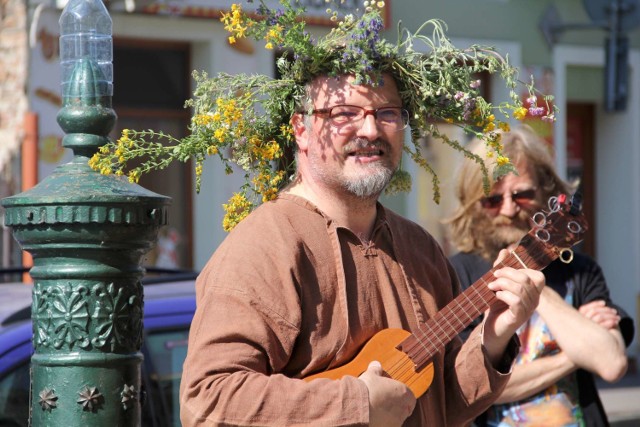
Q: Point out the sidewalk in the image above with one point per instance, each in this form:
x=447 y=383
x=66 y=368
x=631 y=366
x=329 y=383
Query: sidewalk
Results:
x=622 y=400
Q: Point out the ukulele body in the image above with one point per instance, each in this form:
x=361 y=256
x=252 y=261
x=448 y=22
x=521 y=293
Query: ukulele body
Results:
x=396 y=364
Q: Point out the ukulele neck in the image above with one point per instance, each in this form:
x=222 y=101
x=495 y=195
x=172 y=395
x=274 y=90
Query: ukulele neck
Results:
x=444 y=326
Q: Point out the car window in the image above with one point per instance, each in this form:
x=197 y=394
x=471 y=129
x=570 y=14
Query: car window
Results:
x=165 y=352
x=14 y=397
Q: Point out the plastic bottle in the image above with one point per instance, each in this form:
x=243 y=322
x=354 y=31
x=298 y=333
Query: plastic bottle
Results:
x=85 y=33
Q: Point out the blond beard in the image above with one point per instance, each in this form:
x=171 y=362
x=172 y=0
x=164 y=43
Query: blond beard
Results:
x=495 y=234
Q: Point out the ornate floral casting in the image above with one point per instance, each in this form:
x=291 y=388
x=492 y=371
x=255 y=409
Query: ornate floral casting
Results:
x=69 y=316
x=116 y=316
x=72 y=315
x=47 y=399
x=90 y=398
x=129 y=396
x=40 y=317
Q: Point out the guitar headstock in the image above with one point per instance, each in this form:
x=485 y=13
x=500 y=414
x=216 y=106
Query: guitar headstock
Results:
x=554 y=231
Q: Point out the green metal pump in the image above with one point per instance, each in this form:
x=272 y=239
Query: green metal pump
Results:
x=87 y=234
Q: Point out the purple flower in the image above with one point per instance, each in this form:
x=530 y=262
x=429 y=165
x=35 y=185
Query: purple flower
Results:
x=536 y=111
x=469 y=108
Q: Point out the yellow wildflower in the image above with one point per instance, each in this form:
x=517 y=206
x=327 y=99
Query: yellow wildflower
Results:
x=520 y=113
x=489 y=127
x=234 y=22
x=134 y=175
x=269 y=194
x=219 y=134
x=279 y=176
x=93 y=161
x=236 y=210
x=502 y=160
x=271 y=151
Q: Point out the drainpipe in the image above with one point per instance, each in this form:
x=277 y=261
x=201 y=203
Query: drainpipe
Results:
x=29 y=156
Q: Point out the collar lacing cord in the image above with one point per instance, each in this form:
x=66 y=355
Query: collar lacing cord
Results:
x=415 y=301
x=341 y=280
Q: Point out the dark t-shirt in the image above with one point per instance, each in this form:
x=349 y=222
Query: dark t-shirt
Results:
x=589 y=285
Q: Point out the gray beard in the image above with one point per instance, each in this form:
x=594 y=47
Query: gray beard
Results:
x=370 y=186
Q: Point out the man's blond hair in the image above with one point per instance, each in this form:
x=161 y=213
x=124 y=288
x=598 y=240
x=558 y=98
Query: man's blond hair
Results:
x=525 y=149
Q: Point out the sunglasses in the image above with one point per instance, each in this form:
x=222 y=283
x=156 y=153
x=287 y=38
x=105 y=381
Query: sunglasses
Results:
x=518 y=197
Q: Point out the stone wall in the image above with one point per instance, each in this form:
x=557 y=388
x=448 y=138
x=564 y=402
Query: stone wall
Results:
x=13 y=78
x=13 y=106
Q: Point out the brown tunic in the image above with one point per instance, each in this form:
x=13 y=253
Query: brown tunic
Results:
x=288 y=294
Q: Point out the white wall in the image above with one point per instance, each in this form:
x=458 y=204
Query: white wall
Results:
x=617 y=160
x=217 y=186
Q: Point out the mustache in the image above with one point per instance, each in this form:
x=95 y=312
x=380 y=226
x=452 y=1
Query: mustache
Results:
x=503 y=220
x=521 y=220
x=362 y=143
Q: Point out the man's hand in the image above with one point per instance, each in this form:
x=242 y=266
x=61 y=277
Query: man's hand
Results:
x=607 y=317
x=390 y=401
x=520 y=292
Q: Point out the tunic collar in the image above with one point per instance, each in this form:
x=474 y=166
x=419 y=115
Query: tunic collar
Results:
x=381 y=215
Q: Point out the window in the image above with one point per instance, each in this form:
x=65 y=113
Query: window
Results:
x=14 y=397
x=164 y=352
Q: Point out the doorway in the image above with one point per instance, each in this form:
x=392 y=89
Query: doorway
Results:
x=580 y=164
x=151 y=84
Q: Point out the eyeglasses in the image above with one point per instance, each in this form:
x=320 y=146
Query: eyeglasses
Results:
x=518 y=197
x=351 y=116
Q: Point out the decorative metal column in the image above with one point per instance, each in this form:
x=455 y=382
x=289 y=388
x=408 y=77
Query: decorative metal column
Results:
x=87 y=234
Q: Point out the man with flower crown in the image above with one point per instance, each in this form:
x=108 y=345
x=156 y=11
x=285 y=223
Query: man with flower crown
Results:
x=313 y=309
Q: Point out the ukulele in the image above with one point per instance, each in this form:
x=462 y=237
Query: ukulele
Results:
x=406 y=356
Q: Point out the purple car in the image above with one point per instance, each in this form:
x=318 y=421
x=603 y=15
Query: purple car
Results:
x=168 y=309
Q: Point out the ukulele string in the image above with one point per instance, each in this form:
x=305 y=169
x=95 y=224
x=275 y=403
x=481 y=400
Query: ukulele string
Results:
x=472 y=303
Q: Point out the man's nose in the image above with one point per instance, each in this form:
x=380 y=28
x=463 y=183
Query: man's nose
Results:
x=508 y=207
x=369 y=128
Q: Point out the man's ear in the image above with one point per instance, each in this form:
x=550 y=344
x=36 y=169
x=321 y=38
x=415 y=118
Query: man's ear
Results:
x=300 y=131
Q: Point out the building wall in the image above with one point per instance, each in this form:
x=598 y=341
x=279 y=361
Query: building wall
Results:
x=13 y=77
x=13 y=106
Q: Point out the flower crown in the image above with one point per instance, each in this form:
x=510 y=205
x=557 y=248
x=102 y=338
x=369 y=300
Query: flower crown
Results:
x=244 y=119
